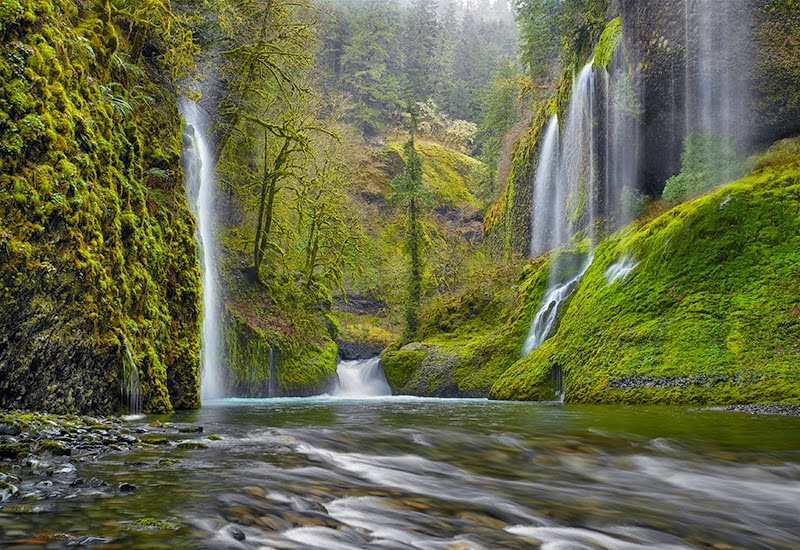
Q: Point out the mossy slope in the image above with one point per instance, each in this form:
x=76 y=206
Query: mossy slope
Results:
x=711 y=314
x=97 y=256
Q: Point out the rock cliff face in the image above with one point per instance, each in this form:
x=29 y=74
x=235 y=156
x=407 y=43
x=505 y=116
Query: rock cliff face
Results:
x=756 y=45
x=99 y=282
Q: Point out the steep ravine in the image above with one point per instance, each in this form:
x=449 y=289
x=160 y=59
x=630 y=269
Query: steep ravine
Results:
x=98 y=272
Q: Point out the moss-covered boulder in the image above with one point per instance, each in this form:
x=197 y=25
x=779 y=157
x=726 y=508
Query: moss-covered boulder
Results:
x=710 y=312
x=98 y=274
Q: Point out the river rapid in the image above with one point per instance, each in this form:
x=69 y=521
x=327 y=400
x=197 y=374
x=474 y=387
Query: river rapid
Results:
x=429 y=473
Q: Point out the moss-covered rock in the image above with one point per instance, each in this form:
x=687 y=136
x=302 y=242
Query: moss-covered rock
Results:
x=98 y=273
x=709 y=314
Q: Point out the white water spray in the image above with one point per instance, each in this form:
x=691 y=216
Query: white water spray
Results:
x=130 y=389
x=361 y=378
x=547 y=211
x=546 y=317
x=620 y=269
x=200 y=184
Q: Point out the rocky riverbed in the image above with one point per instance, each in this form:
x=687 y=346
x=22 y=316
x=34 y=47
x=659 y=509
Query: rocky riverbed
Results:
x=40 y=454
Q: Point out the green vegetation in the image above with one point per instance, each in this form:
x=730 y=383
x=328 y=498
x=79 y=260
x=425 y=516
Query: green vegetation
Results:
x=607 y=43
x=708 y=160
x=710 y=314
x=97 y=258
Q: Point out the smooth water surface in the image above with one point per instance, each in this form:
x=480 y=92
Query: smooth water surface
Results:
x=417 y=473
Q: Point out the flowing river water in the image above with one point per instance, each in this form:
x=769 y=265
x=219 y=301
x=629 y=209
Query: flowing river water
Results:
x=430 y=473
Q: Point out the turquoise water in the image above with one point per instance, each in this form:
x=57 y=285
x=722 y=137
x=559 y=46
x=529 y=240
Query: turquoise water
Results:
x=431 y=473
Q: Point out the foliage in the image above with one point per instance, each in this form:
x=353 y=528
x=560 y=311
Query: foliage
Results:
x=411 y=195
x=607 y=43
x=632 y=202
x=708 y=160
x=381 y=55
x=709 y=315
x=95 y=254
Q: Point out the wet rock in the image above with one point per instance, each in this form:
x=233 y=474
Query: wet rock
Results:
x=483 y=520
x=95 y=483
x=90 y=541
x=55 y=448
x=237 y=533
x=155 y=440
x=7 y=491
x=192 y=445
x=191 y=430
x=214 y=437
x=785 y=410
x=254 y=491
x=156 y=424
x=273 y=523
x=127 y=488
x=9 y=429
x=13 y=450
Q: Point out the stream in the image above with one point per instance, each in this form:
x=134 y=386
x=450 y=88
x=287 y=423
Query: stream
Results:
x=398 y=472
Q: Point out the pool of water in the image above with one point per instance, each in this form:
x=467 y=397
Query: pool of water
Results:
x=455 y=474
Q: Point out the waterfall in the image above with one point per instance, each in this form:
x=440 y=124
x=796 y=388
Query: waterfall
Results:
x=547 y=210
x=200 y=190
x=579 y=160
x=622 y=143
x=718 y=51
x=361 y=378
x=129 y=388
x=547 y=314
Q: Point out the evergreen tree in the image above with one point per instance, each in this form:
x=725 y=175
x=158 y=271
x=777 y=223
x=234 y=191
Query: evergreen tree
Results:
x=421 y=37
x=410 y=194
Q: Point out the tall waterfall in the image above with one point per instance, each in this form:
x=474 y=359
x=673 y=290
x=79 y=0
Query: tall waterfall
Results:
x=580 y=182
x=718 y=51
x=547 y=213
x=200 y=189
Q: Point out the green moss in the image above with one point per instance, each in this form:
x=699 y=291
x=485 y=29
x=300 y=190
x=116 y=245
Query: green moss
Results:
x=608 y=43
x=711 y=313
x=13 y=450
x=213 y=437
x=82 y=237
x=447 y=174
x=153 y=523
x=53 y=447
x=192 y=445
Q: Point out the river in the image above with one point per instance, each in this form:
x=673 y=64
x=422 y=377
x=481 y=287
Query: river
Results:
x=457 y=474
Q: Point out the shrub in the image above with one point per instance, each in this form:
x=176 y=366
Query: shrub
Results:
x=708 y=160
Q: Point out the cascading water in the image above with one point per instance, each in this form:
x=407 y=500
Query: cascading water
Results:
x=361 y=378
x=622 y=143
x=565 y=198
x=579 y=160
x=546 y=317
x=130 y=388
x=547 y=212
x=200 y=188
x=718 y=51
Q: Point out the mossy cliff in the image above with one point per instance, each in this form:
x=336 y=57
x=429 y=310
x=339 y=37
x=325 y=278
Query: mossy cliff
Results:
x=710 y=313
x=98 y=273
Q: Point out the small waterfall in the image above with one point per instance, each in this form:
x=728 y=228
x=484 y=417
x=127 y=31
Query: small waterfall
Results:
x=361 y=378
x=547 y=211
x=129 y=388
x=547 y=314
x=200 y=187
x=620 y=269
x=274 y=387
